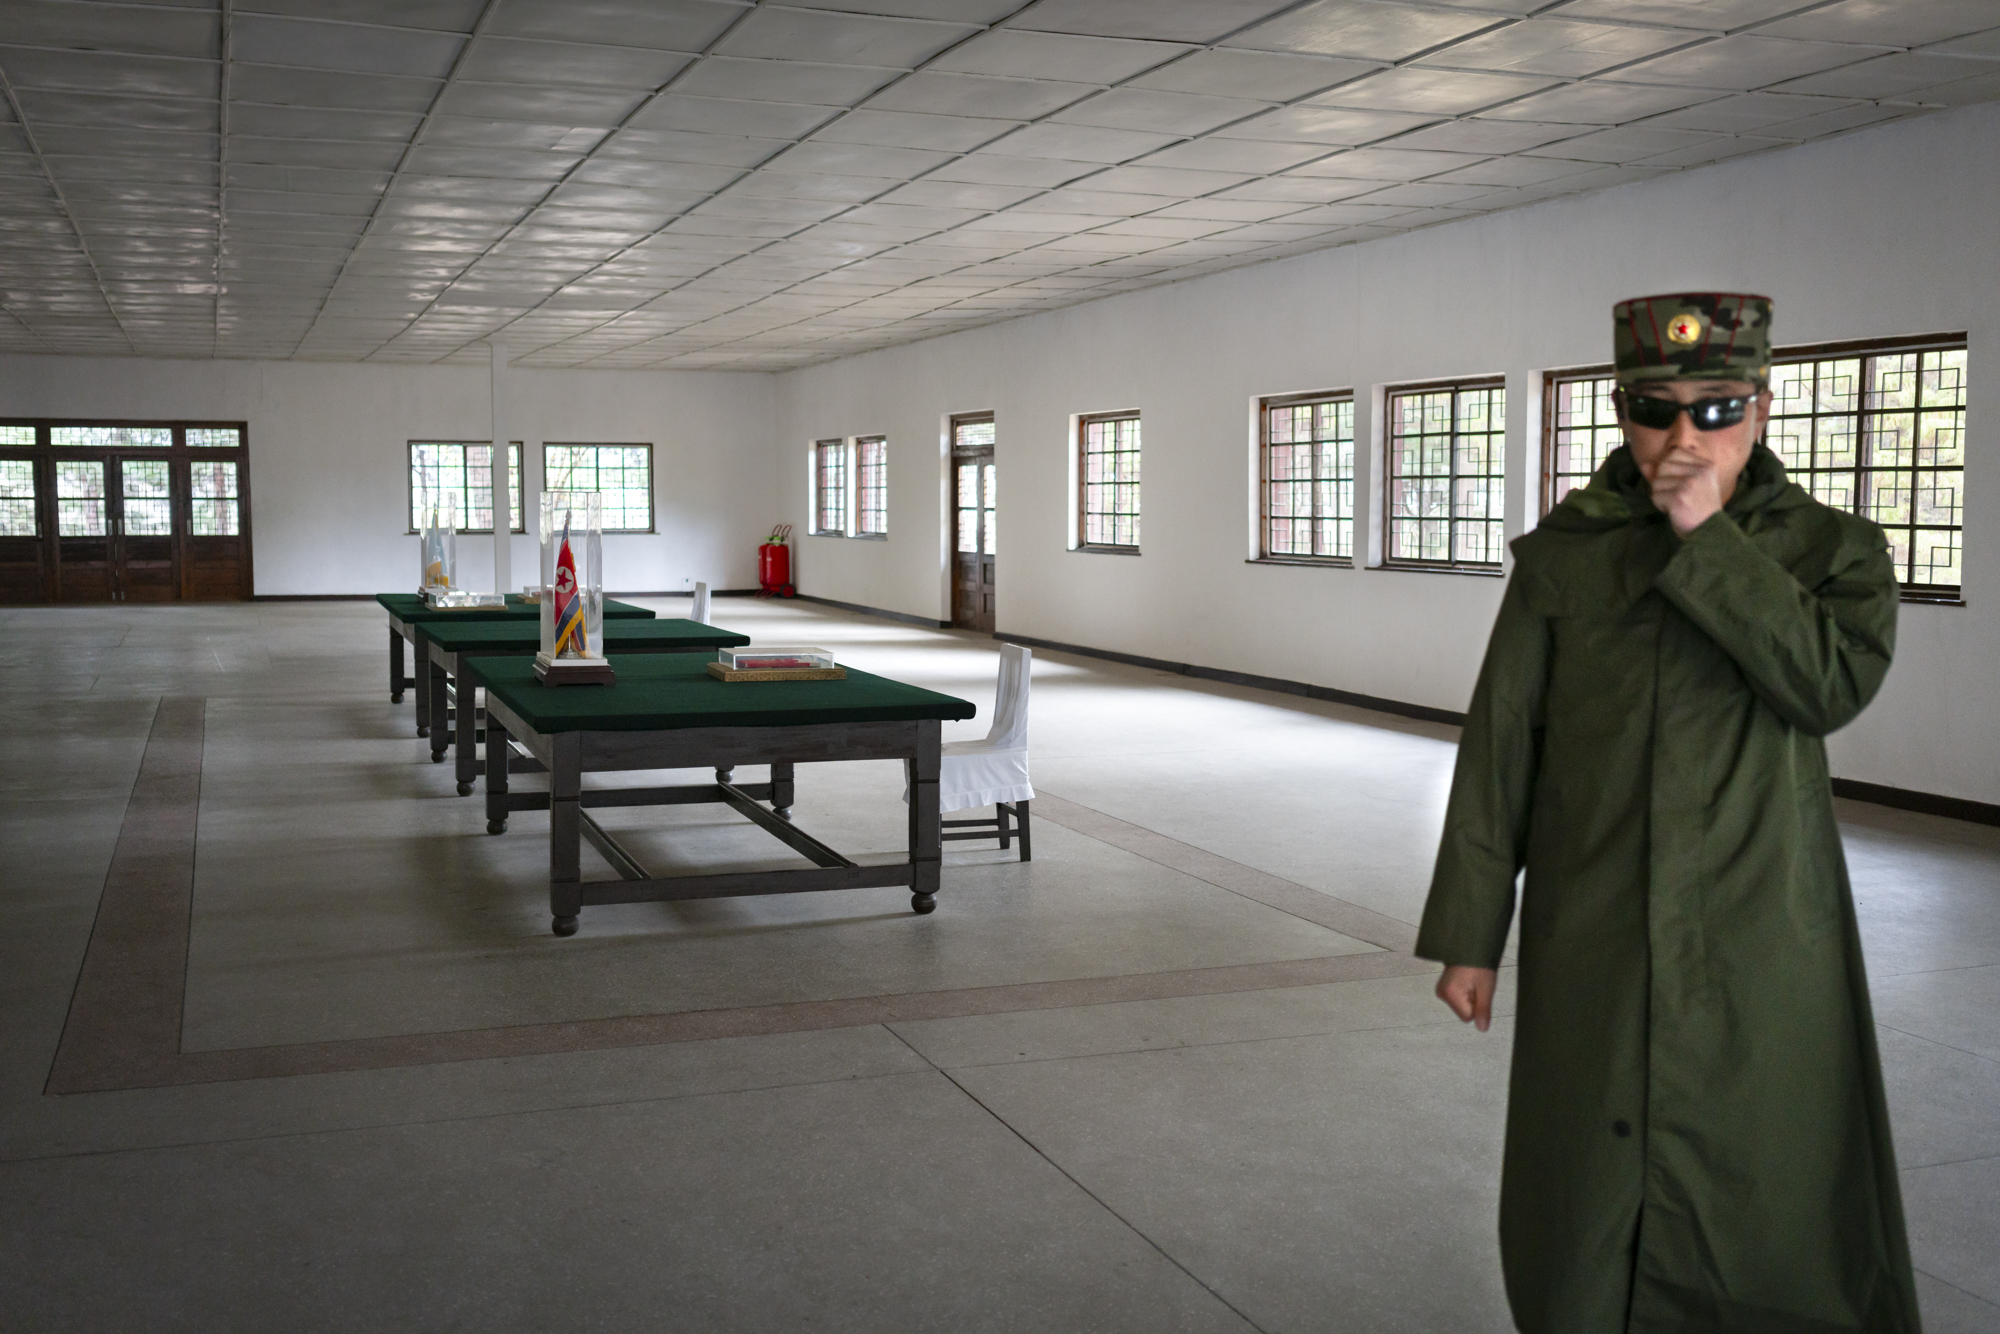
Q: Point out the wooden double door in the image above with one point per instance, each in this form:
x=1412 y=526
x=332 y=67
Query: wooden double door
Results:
x=110 y=525
x=976 y=521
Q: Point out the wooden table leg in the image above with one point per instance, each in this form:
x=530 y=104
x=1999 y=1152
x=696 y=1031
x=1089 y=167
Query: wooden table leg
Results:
x=396 y=679
x=926 y=846
x=781 y=788
x=423 y=698
x=435 y=689
x=497 y=750
x=565 y=833
x=466 y=761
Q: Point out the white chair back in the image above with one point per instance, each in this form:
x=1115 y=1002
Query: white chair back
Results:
x=1010 y=700
x=700 y=612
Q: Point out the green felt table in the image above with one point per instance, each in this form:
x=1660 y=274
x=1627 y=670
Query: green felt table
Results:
x=666 y=712
x=443 y=647
x=665 y=693
x=407 y=611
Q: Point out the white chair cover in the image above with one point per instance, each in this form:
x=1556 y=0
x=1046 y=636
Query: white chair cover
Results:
x=980 y=773
x=700 y=612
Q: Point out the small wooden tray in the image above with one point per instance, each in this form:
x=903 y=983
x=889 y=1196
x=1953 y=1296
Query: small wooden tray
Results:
x=721 y=673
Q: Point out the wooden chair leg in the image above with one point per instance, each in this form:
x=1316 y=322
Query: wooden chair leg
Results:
x=1021 y=809
x=1000 y=821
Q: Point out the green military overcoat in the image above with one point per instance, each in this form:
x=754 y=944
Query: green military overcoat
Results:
x=1696 y=1133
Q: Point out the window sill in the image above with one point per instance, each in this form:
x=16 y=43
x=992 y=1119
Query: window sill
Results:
x=1940 y=599
x=869 y=537
x=1104 y=550
x=1411 y=567
x=1311 y=562
x=471 y=532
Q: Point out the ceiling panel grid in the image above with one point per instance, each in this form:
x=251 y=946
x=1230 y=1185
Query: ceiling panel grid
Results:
x=746 y=185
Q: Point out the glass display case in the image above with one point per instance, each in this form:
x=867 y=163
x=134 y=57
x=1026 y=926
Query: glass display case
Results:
x=438 y=566
x=572 y=602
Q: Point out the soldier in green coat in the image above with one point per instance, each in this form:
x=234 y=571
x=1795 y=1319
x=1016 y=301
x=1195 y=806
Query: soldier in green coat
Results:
x=1696 y=1133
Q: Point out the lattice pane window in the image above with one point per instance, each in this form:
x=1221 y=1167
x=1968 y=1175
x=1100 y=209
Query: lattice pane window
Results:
x=464 y=468
x=215 y=512
x=1110 y=470
x=621 y=474
x=1446 y=475
x=1309 y=479
x=113 y=437
x=1882 y=434
x=872 y=486
x=19 y=515
x=213 y=437
x=80 y=498
x=1582 y=431
x=830 y=487
x=147 y=498
x=17 y=435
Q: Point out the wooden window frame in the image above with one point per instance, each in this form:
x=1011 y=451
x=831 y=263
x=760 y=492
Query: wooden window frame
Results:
x=864 y=513
x=517 y=452
x=1084 y=422
x=1265 y=555
x=1551 y=382
x=1463 y=384
x=1865 y=348
x=652 y=504
x=837 y=447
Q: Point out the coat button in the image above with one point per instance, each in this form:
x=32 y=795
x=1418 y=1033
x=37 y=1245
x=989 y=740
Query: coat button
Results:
x=1622 y=1129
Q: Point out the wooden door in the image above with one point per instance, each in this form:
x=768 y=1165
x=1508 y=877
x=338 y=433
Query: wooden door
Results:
x=972 y=562
x=23 y=530
x=215 y=564
x=83 y=530
x=143 y=564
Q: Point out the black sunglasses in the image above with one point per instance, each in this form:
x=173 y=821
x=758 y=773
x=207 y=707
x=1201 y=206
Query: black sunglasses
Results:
x=1707 y=414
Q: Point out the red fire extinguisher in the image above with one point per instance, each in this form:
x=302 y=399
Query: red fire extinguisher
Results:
x=774 y=564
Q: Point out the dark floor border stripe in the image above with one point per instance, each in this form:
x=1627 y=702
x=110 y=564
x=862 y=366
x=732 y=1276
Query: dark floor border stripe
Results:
x=907 y=618
x=123 y=1030
x=124 y=1021
x=1927 y=803
x=1376 y=703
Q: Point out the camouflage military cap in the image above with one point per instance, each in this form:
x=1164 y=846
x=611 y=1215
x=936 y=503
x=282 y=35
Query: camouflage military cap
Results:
x=1692 y=336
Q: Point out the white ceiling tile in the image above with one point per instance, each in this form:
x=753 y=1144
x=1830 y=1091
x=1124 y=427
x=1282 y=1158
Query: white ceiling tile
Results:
x=52 y=107
x=1036 y=55
x=959 y=194
x=1100 y=204
x=1486 y=136
x=783 y=81
x=979 y=95
x=547 y=106
x=1300 y=189
x=1600 y=103
x=1080 y=143
x=1514 y=171
x=1229 y=210
x=1984 y=87
x=1978 y=44
x=1158 y=111
x=1715 y=150
x=1361 y=29
x=905 y=129
x=1178 y=229
x=1555 y=46
x=1709 y=15
x=848 y=39
x=715 y=115
x=188 y=33
x=802 y=185
x=1021 y=220
x=1445 y=92
x=1143 y=178
x=679 y=146
x=1889 y=22
x=1747 y=113
x=464 y=131
x=1835 y=122
x=312 y=153
x=97 y=72
x=506 y=163
x=1743 y=62
x=1391 y=163
x=1201 y=21
x=521 y=61
x=317 y=123
x=857 y=160
x=441 y=15
x=1324 y=125
x=1886 y=76
x=999 y=169
x=320 y=88
x=416 y=185
x=1628 y=144
x=1424 y=194
x=266 y=39
x=766 y=210
x=67 y=141
x=1248 y=156
x=670 y=25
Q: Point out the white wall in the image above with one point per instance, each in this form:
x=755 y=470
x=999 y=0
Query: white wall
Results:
x=1887 y=232
x=328 y=454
